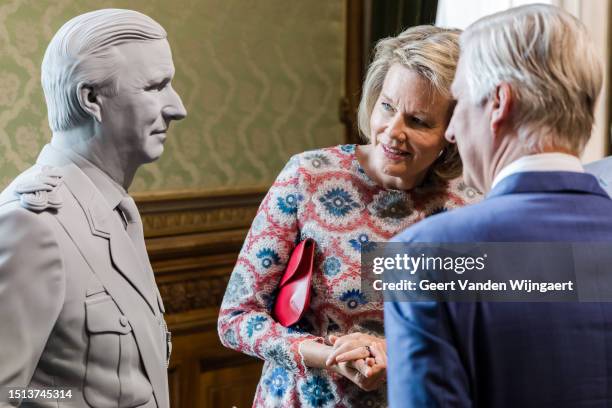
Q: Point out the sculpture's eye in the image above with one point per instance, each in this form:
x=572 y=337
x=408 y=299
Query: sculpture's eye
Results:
x=158 y=86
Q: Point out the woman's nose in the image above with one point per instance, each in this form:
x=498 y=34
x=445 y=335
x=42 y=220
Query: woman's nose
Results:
x=397 y=128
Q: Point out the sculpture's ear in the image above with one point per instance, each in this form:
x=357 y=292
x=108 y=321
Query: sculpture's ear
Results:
x=89 y=100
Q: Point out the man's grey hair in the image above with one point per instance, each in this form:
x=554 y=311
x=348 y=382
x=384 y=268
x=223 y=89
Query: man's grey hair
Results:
x=546 y=56
x=82 y=53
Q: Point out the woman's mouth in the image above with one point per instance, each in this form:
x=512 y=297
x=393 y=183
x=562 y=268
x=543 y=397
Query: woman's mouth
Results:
x=394 y=154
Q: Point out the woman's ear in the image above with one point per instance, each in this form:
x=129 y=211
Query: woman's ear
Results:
x=502 y=106
x=89 y=100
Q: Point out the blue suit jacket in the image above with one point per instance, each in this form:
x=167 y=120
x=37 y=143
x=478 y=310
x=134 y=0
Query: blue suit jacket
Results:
x=508 y=354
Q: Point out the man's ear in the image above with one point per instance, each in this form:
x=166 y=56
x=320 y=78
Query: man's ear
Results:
x=502 y=106
x=89 y=100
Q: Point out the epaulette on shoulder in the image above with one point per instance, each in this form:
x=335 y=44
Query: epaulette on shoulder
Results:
x=39 y=191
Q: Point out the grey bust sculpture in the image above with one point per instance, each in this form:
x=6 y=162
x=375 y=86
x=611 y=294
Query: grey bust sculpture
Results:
x=79 y=307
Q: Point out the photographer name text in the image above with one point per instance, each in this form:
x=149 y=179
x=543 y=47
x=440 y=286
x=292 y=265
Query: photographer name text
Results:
x=522 y=285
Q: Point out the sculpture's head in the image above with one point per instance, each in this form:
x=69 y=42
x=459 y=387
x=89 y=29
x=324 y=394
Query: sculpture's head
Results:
x=111 y=70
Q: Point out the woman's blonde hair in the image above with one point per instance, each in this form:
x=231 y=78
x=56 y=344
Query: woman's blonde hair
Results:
x=431 y=52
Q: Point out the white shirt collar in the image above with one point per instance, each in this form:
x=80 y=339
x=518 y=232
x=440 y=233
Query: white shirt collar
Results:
x=540 y=162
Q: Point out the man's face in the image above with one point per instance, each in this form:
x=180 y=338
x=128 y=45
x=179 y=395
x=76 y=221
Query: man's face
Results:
x=470 y=129
x=137 y=118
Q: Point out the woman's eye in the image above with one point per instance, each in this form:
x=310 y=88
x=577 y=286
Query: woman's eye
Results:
x=387 y=106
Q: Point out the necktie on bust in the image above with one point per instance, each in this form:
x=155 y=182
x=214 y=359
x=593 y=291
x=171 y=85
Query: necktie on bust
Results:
x=128 y=208
x=134 y=229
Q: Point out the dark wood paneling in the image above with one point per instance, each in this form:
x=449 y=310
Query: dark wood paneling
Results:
x=229 y=387
x=354 y=68
x=193 y=239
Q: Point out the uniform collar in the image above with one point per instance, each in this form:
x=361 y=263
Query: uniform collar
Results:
x=112 y=191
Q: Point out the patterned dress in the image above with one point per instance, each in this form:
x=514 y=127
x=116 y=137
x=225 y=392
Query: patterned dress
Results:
x=325 y=195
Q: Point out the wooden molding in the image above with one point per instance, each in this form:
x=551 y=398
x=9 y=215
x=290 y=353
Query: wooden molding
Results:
x=194 y=283
x=193 y=239
x=192 y=223
x=187 y=212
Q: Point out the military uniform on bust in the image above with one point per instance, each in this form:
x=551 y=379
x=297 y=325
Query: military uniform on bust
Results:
x=79 y=307
x=78 y=293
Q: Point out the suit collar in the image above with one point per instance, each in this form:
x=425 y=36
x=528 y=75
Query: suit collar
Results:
x=555 y=161
x=548 y=182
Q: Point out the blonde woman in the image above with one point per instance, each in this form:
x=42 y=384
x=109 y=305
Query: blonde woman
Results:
x=347 y=198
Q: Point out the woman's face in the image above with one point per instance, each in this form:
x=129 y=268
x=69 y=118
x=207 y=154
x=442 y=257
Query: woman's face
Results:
x=407 y=128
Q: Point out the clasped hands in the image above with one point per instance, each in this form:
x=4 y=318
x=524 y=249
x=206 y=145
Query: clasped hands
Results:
x=359 y=357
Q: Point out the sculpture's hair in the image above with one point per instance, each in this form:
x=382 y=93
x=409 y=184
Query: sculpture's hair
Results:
x=430 y=51
x=82 y=53
x=546 y=56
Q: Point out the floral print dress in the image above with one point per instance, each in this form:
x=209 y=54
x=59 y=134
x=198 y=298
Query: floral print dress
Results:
x=325 y=195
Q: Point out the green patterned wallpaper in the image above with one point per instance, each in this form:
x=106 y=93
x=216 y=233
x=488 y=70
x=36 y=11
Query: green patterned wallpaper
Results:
x=261 y=80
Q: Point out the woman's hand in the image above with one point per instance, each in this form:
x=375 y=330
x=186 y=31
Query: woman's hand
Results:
x=361 y=352
x=353 y=370
x=367 y=373
x=353 y=346
x=377 y=364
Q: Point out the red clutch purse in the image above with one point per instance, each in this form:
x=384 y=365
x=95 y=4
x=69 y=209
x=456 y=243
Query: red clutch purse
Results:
x=294 y=288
